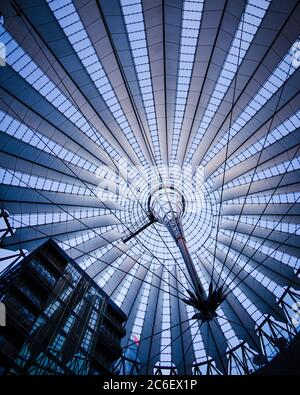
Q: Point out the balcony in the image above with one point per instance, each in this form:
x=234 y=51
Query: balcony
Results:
x=116 y=325
x=110 y=341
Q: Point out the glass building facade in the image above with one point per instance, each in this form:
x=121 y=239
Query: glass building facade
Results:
x=58 y=321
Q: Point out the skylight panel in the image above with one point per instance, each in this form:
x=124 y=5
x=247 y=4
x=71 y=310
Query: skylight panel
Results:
x=89 y=57
x=191 y=20
x=33 y=219
x=87 y=260
x=225 y=326
x=71 y=241
x=275 y=225
x=240 y=296
x=257 y=245
x=165 y=339
x=197 y=343
x=280 y=168
x=270 y=87
x=242 y=39
x=16 y=178
x=134 y=22
x=44 y=86
x=25 y=134
x=289 y=197
x=142 y=308
x=125 y=285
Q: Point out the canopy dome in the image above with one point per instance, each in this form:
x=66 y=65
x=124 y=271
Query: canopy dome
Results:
x=102 y=103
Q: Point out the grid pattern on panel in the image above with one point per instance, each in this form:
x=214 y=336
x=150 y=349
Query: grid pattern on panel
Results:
x=243 y=264
x=109 y=271
x=89 y=259
x=250 y=21
x=276 y=225
x=191 y=21
x=224 y=325
x=289 y=197
x=165 y=340
x=267 y=250
x=20 y=61
x=69 y=20
x=272 y=171
x=33 y=219
x=25 y=180
x=275 y=135
x=196 y=343
x=82 y=237
x=248 y=305
x=142 y=309
x=125 y=285
x=13 y=127
x=276 y=80
x=134 y=22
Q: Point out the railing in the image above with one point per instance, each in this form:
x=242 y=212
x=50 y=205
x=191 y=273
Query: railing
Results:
x=22 y=318
x=119 y=327
x=112 y=339
x=42 y=273
x=242 y=359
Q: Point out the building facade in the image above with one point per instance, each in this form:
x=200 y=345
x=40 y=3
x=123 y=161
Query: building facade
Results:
x=58 y=320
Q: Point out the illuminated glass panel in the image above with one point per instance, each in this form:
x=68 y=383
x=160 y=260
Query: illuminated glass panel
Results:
x=125 y=285
x=20 y=131
x=109 y=271
x=69 y=20
x=197 y=343
x=27 y=68
x=257 y=245
x=252 y=309
x=248 y=26
x=134 y=21
x=71 y=242
x=165 y=340
x=242 y=262
x=279 y=76
x=191 y=21
x=284 y=129
x=33 y=219
x=269 y=172
x=23 y=180
x=289 y=197
x=275 y=225
x=142 y=308
x=94 y=256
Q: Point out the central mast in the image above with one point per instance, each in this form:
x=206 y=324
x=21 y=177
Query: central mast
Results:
x=166 y=205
